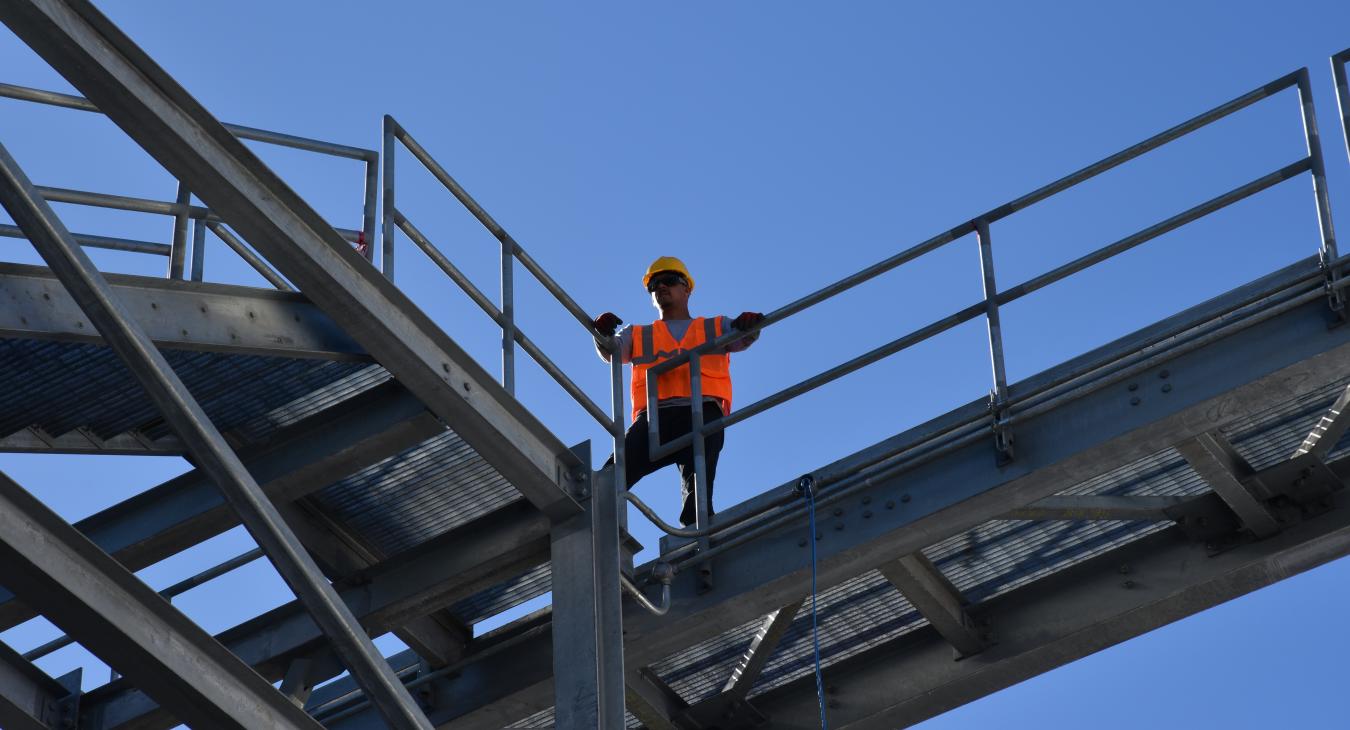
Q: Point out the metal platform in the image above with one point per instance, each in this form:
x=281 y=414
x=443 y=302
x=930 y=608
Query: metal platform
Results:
x=398 y=487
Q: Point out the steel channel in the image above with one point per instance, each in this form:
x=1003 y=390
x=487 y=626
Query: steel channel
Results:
x=198 y=249
x=422 y=242
x=387 y=222
x=185 y=416
x=462 y=195
x=1338 y=63
x=178 y=252
x=249 y=257
x=105 y=242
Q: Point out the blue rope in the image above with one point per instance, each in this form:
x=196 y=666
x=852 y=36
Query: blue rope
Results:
x=808 y=492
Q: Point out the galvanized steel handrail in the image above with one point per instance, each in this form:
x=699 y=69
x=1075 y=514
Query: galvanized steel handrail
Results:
x=503 y=315
x=1000 y=406
x=182 y=211
x=1338 y=64
x=177 y=589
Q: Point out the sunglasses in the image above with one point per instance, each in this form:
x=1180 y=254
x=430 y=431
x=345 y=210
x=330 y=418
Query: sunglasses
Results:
x=666 y=280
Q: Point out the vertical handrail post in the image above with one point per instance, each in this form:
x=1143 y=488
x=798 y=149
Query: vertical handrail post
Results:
x=1327 y=252
x=1338 y=63
x=387 y=224
x=653 y=415
x=198 y=249
x=508 y=307
x=702 y=519
x=178 y=249
x=998 y=397
x=369 y=204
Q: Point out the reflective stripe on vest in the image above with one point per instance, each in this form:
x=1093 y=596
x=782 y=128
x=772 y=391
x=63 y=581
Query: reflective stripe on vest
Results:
x=653 y=344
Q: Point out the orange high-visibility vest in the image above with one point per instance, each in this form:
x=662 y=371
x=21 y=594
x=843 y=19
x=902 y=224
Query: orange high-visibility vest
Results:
x=652 y=344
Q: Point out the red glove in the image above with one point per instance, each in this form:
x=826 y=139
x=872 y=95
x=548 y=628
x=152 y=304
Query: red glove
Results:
x=746 y=320
x=607 y=323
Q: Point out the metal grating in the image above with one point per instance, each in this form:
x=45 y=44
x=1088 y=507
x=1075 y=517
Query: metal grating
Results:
x=61 y=386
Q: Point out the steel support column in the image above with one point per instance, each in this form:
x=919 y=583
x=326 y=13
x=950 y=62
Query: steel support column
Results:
x=182 y=412
x=129 y=626
x=587 y=618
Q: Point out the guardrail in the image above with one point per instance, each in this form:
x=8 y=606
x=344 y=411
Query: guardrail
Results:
x=185 y=215
x=999 y=418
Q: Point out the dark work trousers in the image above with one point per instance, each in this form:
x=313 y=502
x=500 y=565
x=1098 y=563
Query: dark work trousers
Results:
x=675 y=422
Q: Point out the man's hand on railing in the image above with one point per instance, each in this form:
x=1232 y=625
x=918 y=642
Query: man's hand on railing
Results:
x=608 y=323
x=746 y=320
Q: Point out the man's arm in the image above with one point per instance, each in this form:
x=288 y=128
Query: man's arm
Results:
x=745 y=321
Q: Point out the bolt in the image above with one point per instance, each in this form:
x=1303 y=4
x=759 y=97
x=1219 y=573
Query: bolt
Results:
x=1134 y=387
x=203 y=309
x=904 y=498
x=867 y=499
x=445 y=366
x=1134 y=401
x=867 y=514
x=1164 y=374
x=466 y=386
x=1128 y=585
x=890 y=504
x=1167 y=388
x=154 y=306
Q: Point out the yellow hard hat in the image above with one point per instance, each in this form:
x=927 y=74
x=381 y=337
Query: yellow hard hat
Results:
x=667 y=263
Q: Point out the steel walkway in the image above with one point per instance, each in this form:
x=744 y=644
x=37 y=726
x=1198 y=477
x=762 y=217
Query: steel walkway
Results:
x=1183 y=465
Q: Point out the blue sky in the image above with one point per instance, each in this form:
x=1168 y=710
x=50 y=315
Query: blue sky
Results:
x=775 y=148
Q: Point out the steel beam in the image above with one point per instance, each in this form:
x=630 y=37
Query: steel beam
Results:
x=1056 y=620
x=1279 y=358
x=185 y=416
x=303 y=458
x=389 y=595
x=31 y=700
x=126 y=624
x=651 y=700
x=1215 y=460
x=1098 y=507
x=929 y=591
x=1329 y=429
x=177 y=315
x=588 y=629
x=137 y=95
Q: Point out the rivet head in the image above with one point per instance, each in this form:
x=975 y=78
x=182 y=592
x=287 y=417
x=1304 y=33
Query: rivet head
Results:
x=1134 y=401
x=466 y=386
x=890 y=504
x=904 y=498
x=1133 y=387
x=1164 y=374
x=1167 y=388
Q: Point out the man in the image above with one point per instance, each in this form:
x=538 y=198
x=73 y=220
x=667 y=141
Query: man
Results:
x=644 y=346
